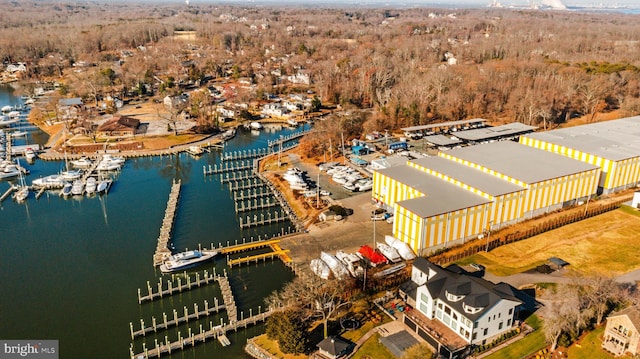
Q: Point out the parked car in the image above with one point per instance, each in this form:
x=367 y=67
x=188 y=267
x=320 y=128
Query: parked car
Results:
x=478 y=267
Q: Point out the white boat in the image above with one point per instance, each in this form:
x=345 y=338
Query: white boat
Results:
x=7 y=121
x=82 y=163
x=113 y=159
x=256 y=125
x=70 y=175
x=391 y=270
x=195 y=150
x=320 y=268
x=16 y=134
x=229 y=134
x=364 y=185
x=353 y=263
x=77 y=189
x=338 y=269
x=13 y=114
x=108 y=166
x=22 y=193
x=389 y=252
x=52 y=181
x=66 y=189
x=30 y=154
x=91 y=185
x=403 y=248
x=9 y=169
x=292 y=122
x=103 y=186
x=6 y=108
x=185 y=260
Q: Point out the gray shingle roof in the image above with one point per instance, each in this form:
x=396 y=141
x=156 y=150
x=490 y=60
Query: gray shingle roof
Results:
x=478 y=292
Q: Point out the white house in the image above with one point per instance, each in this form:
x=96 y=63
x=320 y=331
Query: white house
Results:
x=225 y=112
x=471 y=308
x=300 y=78
x=274 y=109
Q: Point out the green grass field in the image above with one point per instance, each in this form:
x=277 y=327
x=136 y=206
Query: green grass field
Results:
x=527 y=345
x=607 y=244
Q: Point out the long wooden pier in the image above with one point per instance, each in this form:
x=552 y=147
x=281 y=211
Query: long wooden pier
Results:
x=262 y=220
x=172 y=288
x=192 y=339
x=255 y=204
x=237 y=176
x=226 y=167
x=244 y=154
x=251 y=194
x=177 y=320
x=288 y=138
x=162 y=248
x=227 y=297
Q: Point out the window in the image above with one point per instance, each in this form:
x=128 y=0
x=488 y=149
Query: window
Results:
x=489 y=319
x=510 y=311
x=474 y=336
x=499 y=314
x=447 y=310
x=509 y=323
x=485 y=331
x=500 y=326
x=455 y=316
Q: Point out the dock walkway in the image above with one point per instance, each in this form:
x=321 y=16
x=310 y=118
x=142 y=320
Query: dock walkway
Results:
x=162 y=248
x=178 y=287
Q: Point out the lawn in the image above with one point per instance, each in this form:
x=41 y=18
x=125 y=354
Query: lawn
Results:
x=589 y=347
x=373 y=349
x=272 y=347
x=527 y=345
x=591 y=245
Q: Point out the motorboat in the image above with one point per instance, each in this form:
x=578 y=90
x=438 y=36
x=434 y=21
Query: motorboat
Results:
x=229 y=134
x=185 y=260
x=320 y=268
x=389 y=252
x=13 y=114
x=22 y=193
x=8 y=169
x=292 y=122
x=83 y=162
x=402 y=247
x=71 y=175
x=52 y=181
x=77 y=189
x=256 y=125
x=91 y=185
x=30 y=154
x=16 y=134
x=7 y=121
x=112 y=159
x=103 y=186
x=6 y=108
x=338 y=268
x=66 y=189
x=374 y=257
x=352 y=262
x=108 y=166
x=364 y=185
x=391 y=270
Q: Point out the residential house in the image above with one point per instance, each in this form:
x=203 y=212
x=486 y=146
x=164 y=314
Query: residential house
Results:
x=70 y=108
x=119 y=126
x=300 y=78
x=455 y=310
x=274 y=109
x=621 y=332
x=225 y=112
x=173 y=102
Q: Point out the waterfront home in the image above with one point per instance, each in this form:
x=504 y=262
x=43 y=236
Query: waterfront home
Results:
x=621 y=333
x=119 y=126
x=455 y=310
x=70 y=108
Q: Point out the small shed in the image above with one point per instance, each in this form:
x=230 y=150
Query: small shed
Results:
x=327 y=216
x=334 y=347
x=557 y=263
x=359 y=150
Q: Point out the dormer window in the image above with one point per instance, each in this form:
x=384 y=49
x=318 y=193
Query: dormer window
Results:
x=471 y=310
x=453 y=298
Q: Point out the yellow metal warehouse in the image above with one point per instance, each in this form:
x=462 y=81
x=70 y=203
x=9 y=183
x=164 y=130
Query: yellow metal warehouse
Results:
x=463 y=193
x=614 y=146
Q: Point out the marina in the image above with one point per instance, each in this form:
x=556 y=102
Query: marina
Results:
x=109 y=237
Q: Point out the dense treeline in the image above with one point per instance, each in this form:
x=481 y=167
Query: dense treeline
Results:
x=411 y=66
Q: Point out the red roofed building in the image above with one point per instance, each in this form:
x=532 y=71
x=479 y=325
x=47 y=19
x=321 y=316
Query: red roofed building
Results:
x=119 y=126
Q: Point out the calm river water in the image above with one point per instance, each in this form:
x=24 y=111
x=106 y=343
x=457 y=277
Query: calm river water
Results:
x=70 y=268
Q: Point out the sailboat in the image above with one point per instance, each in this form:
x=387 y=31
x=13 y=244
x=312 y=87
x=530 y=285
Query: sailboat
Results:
x=23 y=190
